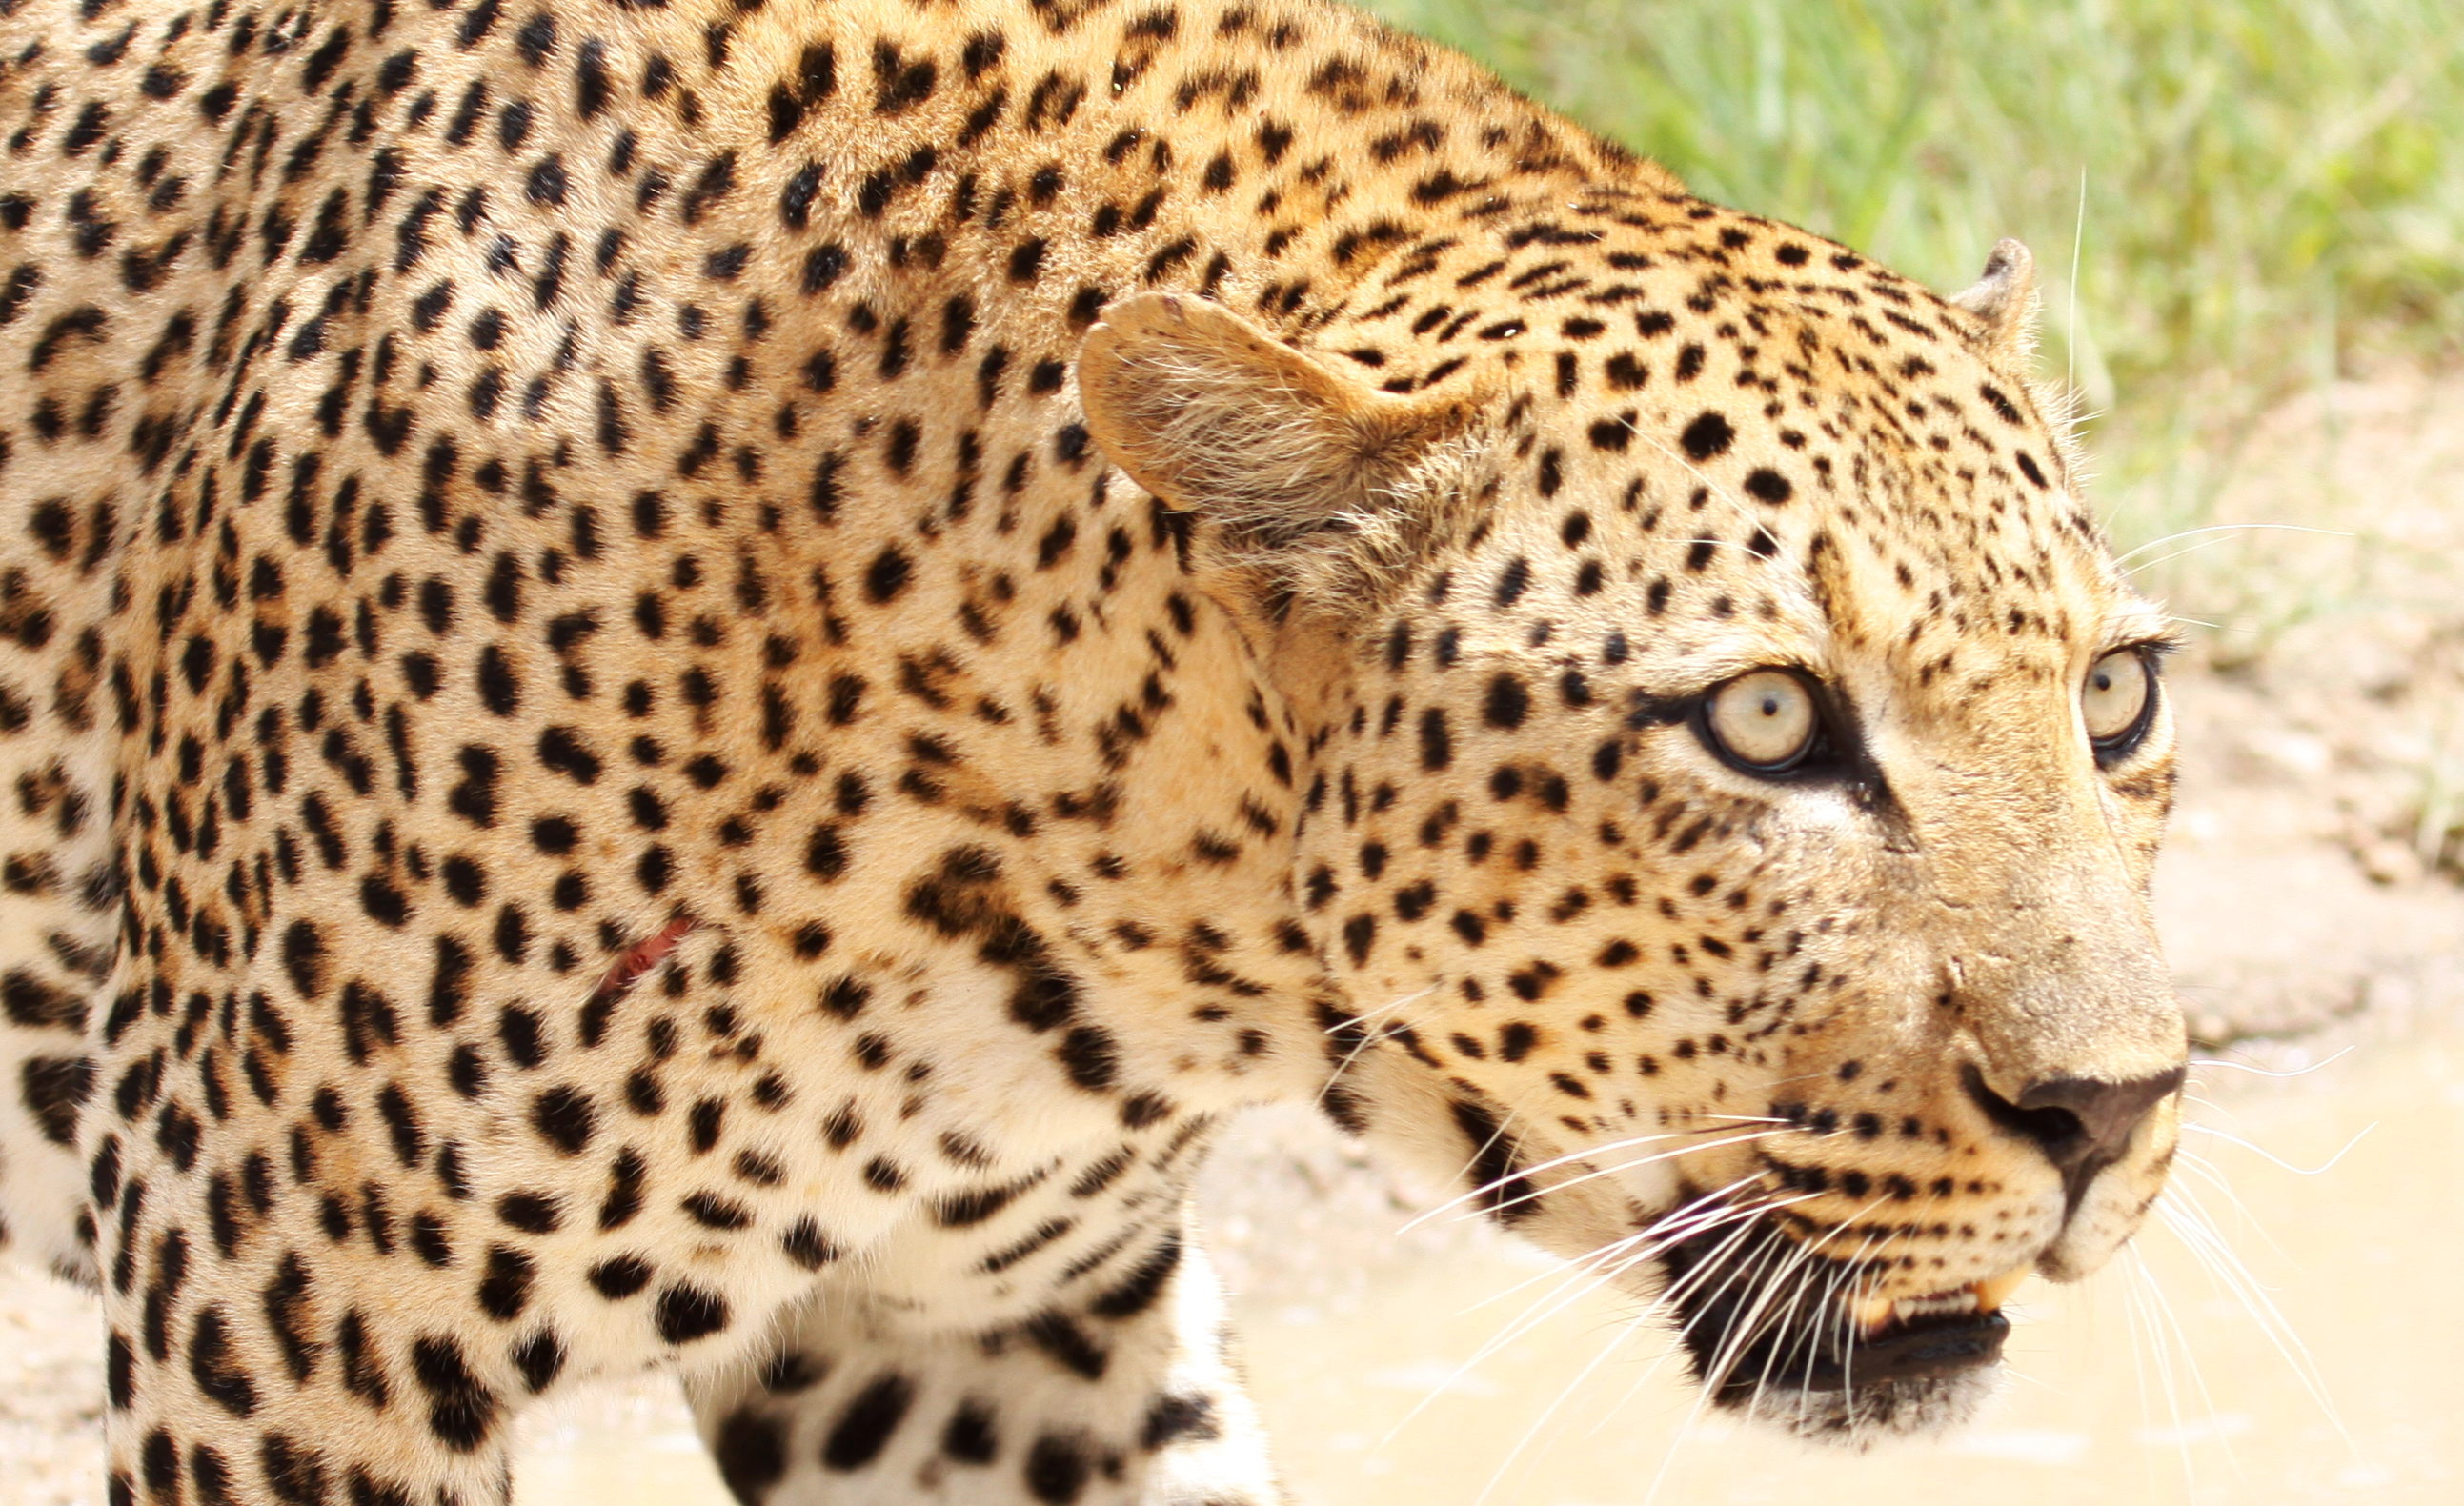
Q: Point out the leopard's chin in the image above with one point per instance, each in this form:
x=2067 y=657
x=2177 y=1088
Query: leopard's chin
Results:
x=1919 y=1367
x=1868 y=1413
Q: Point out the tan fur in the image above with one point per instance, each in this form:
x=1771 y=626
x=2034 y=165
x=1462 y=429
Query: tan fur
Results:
x=696 y=684
x=1316 y=484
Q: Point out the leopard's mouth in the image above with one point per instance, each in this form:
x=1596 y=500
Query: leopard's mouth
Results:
x=1840 y=1345
x=1916 y=1338
x=1781 y=1333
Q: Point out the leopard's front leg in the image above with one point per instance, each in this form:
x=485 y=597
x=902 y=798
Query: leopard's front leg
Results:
x=1118 y=1392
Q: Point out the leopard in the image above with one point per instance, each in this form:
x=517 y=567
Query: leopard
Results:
x=699 y=685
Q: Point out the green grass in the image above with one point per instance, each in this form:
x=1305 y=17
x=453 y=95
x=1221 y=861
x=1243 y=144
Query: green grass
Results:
x=2260 y=192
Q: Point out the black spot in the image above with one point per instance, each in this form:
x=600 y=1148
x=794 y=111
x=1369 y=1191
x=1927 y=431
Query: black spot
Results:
x=562 y=750
x=541 y=1359
x=1090 y=1056
x=518 y=1029
x=565 y=1117
x=1174 y=1418
x=1507 y=702
x=1067 y=1343
x=804 y=1244
x=160 y=1460
x=304 y=957
x=295 y=1474
x=824 y=266
x=219 y=1375
x=1057 y=1469
x=385 y=903
x=461 y=1412
x=1358 y=933
x=53 y=1087
x=864 y=1429
x=685 y=1313
x=711 y=1212
x=1512 y=579
x=970 y=1438
x=31 y=1001
x=1710 y=436
x=1140 y=1288
x=505 y=1288
x=887 y=576
x=620 y=1276
x=1436 y=743
x=751 y=1452
x=1766 y=485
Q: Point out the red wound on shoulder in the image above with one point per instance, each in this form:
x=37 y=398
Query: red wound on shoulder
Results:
x=641 y=957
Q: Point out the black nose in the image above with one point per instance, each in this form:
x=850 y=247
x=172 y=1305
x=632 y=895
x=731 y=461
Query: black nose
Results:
x=2080 y=1123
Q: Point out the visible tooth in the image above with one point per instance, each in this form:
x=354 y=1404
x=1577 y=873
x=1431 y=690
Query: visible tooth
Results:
x=1934 y=1305
x=1871 y=1312
x=1996 y=1290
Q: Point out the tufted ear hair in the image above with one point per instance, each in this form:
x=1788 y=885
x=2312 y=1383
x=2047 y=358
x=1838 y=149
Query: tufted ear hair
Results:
x=1321 y=484
x=2004 y=301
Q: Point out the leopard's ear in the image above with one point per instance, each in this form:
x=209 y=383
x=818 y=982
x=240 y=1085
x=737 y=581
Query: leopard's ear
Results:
x=2004 y=302
x=1319 y=481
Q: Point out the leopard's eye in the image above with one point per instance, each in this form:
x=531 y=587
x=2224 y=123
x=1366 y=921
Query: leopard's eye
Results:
x=2115 y=700
x=1764 y=721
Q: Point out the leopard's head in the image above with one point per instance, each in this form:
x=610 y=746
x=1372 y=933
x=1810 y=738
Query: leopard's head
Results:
x=1736 y=767
x=1736 y=770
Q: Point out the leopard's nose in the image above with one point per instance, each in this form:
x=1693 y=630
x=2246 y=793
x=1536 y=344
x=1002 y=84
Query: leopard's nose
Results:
x=2082 y=1124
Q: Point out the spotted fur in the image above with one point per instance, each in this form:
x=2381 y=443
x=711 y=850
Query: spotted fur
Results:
x=693 y=682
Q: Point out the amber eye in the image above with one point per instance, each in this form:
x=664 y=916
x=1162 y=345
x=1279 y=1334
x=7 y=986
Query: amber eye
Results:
x=2116 y=699
x=1764 y=721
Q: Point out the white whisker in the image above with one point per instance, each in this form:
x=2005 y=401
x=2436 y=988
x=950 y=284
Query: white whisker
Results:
x=1693 y=1413
x=1676 y=1226
x=2189 y=1223
x=1609 y=1262
x=2168 y=1334
x=2209 y=544
x=2127 y=556
x=2070 y=309
x=2243 y=1066
x=2271 y=1157
x=1369 y=1035
x=1612 y=1170
x=1523 y=1173
x=2142 y=1342
x=2213 y=1176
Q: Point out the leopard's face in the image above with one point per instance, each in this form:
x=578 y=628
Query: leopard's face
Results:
x=1736 y=828
x=1752 y=824
x=1784 y=930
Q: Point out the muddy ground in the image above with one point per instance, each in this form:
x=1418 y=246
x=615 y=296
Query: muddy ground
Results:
x=2310 y=904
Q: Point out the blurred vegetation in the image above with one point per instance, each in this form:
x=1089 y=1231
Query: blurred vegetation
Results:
x=2228 y=199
